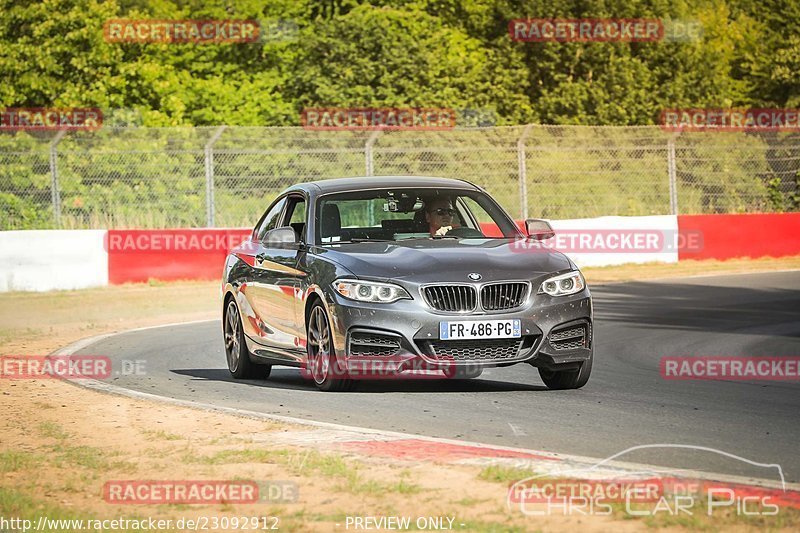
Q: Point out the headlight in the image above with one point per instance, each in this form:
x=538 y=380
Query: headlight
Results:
x=563 y=285
x=370 y=291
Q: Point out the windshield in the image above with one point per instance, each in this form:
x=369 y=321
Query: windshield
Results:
x=405 y=213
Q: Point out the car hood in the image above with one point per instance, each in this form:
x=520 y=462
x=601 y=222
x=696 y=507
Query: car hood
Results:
x=425 y=260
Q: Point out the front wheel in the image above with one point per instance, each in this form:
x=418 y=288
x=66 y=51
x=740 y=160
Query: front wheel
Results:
x=321 y=355
x=567 y=379
x=236 y=352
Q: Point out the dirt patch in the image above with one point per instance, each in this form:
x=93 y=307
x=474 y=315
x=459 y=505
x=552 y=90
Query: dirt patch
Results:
x=33 y=322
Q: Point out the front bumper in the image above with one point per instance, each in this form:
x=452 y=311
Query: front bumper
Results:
x=404 y=336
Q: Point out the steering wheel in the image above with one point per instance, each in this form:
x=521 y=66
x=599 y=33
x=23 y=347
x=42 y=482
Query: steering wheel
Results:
x=465 y=233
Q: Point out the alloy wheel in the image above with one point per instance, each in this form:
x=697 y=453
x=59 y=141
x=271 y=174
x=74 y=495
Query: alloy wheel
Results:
x=232 y=342
x=319 y=345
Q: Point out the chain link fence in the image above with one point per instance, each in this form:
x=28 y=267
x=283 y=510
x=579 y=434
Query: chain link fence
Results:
x=226 y=176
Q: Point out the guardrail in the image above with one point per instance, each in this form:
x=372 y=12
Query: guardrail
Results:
x=89 y=258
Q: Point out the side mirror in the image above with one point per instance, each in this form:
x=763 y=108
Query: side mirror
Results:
x=539 y=229
x=283 y=235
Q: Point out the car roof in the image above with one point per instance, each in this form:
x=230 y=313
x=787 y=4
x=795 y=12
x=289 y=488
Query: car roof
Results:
x=361 y=183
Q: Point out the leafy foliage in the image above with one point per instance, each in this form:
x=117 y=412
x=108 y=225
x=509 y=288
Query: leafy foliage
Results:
x=453 y=53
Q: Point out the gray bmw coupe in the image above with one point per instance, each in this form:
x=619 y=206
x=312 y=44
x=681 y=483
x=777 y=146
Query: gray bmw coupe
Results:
x=393 y=277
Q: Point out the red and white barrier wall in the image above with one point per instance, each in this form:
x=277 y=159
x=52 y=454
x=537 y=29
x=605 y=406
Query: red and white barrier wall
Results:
x=606 y=233
x=44 y=260
x=757 y=235
x=139 y=255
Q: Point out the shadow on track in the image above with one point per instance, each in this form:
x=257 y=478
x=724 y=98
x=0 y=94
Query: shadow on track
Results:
x=287 y=378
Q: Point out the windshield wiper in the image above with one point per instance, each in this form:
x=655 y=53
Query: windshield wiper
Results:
x=357 y=240
x=428 y=237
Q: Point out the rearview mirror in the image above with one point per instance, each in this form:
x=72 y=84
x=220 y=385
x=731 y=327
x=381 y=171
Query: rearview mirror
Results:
x=283 y=235
x=539 y=229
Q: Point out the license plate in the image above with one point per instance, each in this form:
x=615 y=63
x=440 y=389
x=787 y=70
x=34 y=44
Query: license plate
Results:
x=479 y=329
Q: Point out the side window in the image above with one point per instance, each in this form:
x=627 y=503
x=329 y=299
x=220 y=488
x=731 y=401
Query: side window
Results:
x=271 y=219
x=486 y=224
x=297 y=217
x=477 y=211
x=298 y=211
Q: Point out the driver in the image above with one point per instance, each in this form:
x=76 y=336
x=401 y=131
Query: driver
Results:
x=439 y=214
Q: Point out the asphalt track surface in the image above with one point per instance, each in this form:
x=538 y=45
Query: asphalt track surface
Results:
x=626 y=402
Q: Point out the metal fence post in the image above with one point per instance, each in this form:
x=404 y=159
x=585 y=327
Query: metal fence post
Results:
x=369 y=164
x=370 y=170
x=55 y=192
x=210 y=176
x=672 y=173
x=523 y=173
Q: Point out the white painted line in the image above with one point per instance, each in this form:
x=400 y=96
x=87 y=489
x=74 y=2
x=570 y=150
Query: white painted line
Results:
x=518 y=431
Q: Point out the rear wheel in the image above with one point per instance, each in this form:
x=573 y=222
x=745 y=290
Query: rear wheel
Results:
x=236 y=352
x=321 y=355
x=567 y=379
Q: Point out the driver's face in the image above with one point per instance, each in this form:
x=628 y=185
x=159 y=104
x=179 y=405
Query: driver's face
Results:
x=439 y=213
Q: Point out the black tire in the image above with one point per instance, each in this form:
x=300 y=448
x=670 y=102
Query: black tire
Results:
x=239 y=364
x=567 y=379
x=321 y=362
